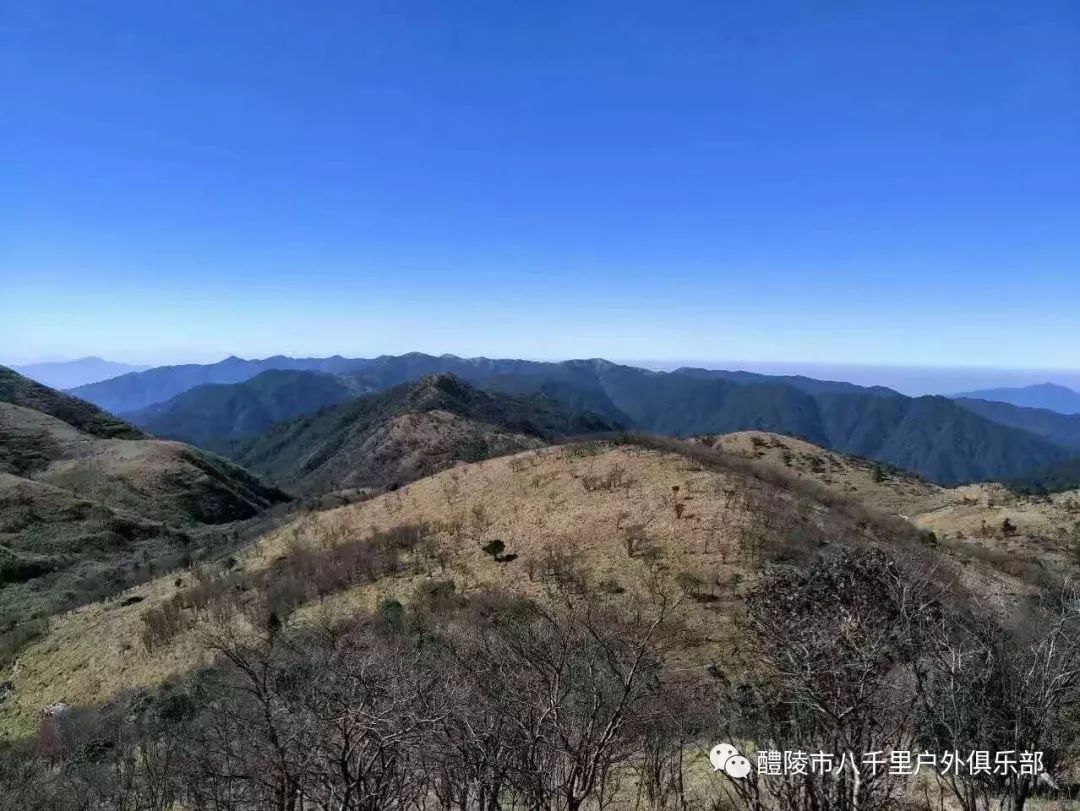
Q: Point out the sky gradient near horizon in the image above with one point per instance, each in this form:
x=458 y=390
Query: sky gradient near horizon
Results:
x=835 y=182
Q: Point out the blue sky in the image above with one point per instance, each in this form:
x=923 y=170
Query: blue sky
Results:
x=834 y=182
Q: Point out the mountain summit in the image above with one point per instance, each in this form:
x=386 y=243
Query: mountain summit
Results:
x=405 y=433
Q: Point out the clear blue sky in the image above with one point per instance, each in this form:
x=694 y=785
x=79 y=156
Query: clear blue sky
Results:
x=882 y=183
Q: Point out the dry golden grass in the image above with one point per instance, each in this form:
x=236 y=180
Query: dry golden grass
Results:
x=967 y=519
x=579 y=500
x=705 y=526
x=157 y=479
x=891 y=491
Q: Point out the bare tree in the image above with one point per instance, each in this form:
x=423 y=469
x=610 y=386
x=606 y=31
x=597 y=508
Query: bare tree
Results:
x=836 y=669
x=562 y=698
x=1015 y=688
x=310 y=721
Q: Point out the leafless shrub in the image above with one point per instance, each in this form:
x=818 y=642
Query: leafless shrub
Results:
x=491 y=702
x=269 y=596
x=1012 y=687
x=161 y=624
x=634 y=539
x=837 y=669
x=556 y=565
x=613 y=479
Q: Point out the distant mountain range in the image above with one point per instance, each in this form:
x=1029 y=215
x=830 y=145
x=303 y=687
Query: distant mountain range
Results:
x=217 y=411
x=136 y=391
x=68 y=374
x=1061 y=429
x=1044 y=395
x=944 y=440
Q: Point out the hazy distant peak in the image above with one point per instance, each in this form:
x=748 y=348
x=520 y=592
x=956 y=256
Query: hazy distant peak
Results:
x=1049 y=396
x=1051 y=389
x=68 y=374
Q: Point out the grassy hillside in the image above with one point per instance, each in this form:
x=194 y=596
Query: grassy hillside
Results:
x=22 y=391
x=625 y=514
x=888 y=489
x=1026 y=540
x=585 y=538
x=406 y=433
x=225 y=411
x=83 y=515
x=707 y=519
x=163 y=481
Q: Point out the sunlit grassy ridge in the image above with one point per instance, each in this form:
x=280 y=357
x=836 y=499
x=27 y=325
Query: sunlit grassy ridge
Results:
x=701 y=519
x=623 y=513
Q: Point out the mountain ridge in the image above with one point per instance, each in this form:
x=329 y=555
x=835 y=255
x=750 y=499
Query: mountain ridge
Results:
x=20 y=390
x=1062 y=429
x=405 y=433
x=138 y=390
x=936 y=437
x=227 y=411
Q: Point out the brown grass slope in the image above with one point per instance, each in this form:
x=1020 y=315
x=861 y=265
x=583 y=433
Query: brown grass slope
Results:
x=873 y=484
x=83 y=516
x=1025 y=539
x=627 y=516
x=701 y=518
x=159 y=480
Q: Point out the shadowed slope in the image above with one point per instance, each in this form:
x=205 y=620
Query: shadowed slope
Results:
x=405 y=433
x=224 y=411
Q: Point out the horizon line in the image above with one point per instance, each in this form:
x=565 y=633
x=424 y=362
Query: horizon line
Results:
x=719 y=364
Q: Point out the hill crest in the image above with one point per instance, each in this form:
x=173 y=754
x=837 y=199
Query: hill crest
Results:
x=20 y=390
x=407 y=432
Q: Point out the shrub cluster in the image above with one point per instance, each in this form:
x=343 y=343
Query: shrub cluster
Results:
x=267 y=597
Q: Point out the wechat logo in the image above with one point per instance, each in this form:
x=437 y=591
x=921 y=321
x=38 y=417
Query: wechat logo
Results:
x=726 y=758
